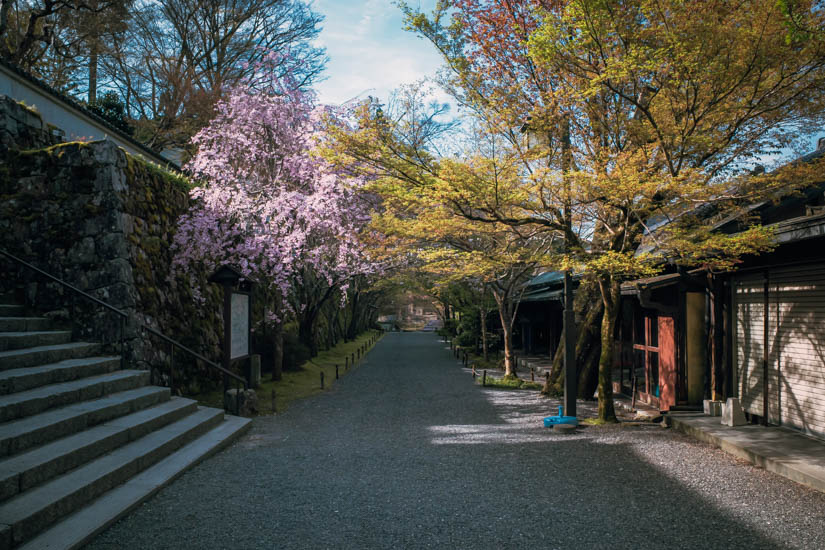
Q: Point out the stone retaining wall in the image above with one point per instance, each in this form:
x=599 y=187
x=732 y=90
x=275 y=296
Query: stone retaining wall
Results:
x=102 y=220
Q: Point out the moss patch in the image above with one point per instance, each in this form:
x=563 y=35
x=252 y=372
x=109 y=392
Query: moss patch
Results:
x=31 y=109
x=509 y=383
x=137 y=164
x=300 y=383
x=598 y=422
x=54 y=150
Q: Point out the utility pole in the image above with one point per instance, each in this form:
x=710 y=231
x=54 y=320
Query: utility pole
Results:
x=571 y=377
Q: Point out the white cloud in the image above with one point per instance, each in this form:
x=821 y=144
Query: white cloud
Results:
x=373 y=14
x=370 y=53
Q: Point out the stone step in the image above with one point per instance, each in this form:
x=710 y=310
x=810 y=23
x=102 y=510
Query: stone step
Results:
x=30 y=339
x=18 y=380
x=78 y=529
x=41 y=355
x=31 y=402
x=28 y=469
x=33 y=511
x=18 y=324
x=7 y=310
x=18 y=435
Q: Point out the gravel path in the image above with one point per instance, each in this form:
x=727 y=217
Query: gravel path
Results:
x=405 y=452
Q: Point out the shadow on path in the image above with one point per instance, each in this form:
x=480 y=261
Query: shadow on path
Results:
x=406 y=452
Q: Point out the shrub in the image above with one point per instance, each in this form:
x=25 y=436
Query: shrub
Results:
x=466 y=340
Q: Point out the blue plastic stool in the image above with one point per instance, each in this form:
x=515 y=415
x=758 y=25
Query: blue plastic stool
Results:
x=550 y=421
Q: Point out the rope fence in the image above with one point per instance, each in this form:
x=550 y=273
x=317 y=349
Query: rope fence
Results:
x=349 y=361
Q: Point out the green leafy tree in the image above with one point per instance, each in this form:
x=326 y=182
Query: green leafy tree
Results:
x=638 y=111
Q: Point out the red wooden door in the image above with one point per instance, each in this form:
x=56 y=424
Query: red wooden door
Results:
x=667 y=362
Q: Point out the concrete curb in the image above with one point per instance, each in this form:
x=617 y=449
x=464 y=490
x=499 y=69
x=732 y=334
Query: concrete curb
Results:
x=757 y=453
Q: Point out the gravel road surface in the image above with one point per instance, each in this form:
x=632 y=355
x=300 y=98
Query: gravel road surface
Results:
x=405 y=452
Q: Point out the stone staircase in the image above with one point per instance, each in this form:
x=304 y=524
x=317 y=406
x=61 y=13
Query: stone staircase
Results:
x=83 y=442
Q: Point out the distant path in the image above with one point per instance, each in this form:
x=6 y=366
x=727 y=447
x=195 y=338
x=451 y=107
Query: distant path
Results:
x=405 y=452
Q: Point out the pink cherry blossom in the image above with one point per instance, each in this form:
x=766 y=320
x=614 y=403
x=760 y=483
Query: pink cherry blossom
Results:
x=266 y=201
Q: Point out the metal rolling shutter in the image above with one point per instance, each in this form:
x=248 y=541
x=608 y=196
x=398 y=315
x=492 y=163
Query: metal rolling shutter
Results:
x=797 y=310
x=749 y=314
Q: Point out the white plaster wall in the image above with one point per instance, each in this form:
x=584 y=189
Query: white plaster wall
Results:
x=76 y=124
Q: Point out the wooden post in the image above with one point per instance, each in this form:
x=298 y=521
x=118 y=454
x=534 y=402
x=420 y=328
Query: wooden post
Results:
x=532 y=375
x=346 y=363
x=484 y=378
x=273 y=400
x=322 y=379
x=227 y=332
x=336 y=371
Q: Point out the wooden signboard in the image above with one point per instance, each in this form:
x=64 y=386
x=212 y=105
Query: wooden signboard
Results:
x=239 y=321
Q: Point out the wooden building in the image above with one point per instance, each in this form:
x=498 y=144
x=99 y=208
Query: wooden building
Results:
x=539 y=316
x=777 y=334
x=757 y=333
x=661 y=340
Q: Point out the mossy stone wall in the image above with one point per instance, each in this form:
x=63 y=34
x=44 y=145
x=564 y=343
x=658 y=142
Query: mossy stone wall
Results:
x=102 y=220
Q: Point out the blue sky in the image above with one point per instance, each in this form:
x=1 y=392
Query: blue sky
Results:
x=370 y=53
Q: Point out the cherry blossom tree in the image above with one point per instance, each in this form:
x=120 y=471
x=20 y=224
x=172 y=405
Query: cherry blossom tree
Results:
x=268 y=202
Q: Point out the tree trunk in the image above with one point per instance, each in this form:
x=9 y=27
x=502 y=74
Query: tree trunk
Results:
x=610 y=297
x=306 y=333
x=352 y=329
x=590 y=307
x=93 y=73
x=5 y=8
x=507 y=334
x=339 y=321
x=483 y=314
x=277 y=351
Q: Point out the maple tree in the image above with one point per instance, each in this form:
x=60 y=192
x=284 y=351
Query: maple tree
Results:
x=419 y=191
x=494 y=257
x=643 y=110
